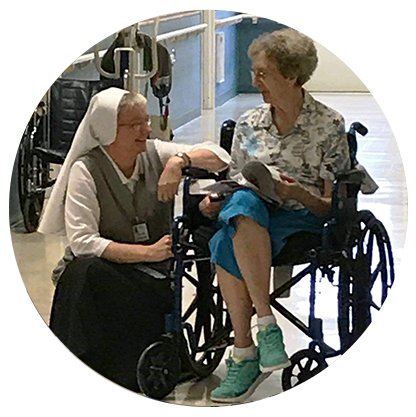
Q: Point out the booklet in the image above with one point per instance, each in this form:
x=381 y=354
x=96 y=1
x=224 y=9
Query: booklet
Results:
x=256 y=176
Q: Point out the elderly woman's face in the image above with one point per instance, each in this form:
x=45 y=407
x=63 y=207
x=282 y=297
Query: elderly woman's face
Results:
x=133 y=129
x=266 y=76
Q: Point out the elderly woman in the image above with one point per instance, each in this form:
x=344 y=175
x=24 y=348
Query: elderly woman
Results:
x=303 y=140
x=113 y=201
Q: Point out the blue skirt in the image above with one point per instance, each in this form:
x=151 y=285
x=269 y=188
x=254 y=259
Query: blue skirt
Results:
x=279 y=222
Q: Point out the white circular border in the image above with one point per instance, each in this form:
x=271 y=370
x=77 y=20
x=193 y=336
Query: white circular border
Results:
x=394 y=296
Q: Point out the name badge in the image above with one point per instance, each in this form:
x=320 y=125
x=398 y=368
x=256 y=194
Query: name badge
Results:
x=140 y=232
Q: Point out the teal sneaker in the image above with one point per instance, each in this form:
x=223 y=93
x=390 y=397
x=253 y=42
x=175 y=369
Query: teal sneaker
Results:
x=272 y=349
x=241 y=381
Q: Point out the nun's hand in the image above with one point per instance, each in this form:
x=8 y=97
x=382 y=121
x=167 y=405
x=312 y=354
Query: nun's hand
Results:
x=170 y=179
x=161 y=250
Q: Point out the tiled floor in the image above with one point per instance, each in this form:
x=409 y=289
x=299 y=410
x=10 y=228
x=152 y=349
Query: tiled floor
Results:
x=37 y=254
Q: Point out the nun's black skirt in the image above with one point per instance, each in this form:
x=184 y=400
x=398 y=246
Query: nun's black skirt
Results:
x=107 y=313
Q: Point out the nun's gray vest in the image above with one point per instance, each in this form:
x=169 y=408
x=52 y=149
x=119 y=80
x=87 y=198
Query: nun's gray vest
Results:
x=120 y=210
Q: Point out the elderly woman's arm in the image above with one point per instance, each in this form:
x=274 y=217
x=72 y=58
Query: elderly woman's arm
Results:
x=290 y=188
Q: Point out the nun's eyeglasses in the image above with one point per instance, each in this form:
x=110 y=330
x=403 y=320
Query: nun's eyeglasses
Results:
x=137 y=125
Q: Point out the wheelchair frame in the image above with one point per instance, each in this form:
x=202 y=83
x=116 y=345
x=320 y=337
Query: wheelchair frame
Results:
x=348 y=242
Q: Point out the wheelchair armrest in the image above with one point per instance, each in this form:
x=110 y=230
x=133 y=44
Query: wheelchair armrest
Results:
x=200 y=174
x=344 y=209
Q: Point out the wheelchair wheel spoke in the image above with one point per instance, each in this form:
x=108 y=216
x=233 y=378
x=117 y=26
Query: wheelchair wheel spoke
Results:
x=374 y=305
x=190 y=310
x=191 y=279
x=367 y=278
x=376 y=273
x=369 y=246
x=309 y=364
x=206 y=333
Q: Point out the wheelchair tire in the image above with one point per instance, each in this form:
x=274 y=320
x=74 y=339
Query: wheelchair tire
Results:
x=158 y=370
x=32 y=210
x=32 y=177
x=207 y=326
x=366 y=277
x=305 y=364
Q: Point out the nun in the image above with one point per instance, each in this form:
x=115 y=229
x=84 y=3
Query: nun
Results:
x=113 y=201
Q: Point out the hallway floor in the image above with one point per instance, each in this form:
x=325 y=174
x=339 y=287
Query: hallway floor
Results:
x=37 y=254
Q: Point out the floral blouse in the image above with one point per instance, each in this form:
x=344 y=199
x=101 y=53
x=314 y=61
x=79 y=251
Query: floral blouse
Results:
x=314 y=150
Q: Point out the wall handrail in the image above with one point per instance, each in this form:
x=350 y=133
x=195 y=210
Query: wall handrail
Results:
x=182 y=33
x=21 y=77
x=233 y=20
x=166 y=37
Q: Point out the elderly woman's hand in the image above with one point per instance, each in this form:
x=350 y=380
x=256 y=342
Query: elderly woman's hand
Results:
x=170 y=179
x=289 y=188
x=210 y=208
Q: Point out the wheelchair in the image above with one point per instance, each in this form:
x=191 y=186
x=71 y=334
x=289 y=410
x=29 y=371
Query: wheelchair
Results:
x=47 y=138
x=354 y=253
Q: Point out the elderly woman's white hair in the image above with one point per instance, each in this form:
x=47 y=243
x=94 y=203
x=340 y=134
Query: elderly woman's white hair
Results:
x=98 y=127
x=294 y=53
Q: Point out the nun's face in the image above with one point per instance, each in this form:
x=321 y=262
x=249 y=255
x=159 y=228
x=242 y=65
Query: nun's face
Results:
x=133 y=129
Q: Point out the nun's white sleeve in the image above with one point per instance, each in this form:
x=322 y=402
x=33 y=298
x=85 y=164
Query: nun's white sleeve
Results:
x=82 y=213
x=166 y=150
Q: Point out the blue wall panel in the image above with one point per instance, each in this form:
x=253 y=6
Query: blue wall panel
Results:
x=246 y=33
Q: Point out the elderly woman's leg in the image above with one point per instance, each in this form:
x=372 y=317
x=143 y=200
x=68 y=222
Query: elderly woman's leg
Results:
x=243 y=373
x=239 y=305
x=252 y=249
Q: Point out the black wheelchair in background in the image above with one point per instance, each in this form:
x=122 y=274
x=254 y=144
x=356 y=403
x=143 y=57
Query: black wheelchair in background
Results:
x=47 y=138
x=354 y=253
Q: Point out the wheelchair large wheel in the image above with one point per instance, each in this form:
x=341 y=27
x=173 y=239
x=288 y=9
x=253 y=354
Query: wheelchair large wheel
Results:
x=365 y=279
x=305 y=364
x=206 y=322
x=32 y=176
x=158 y=370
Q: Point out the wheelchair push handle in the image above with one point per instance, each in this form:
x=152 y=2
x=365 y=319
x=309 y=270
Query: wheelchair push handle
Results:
x=352 y=140
x=199 y=174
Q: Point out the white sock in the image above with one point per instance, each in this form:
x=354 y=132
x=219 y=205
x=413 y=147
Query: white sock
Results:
x=242 y=354
x=263 y=322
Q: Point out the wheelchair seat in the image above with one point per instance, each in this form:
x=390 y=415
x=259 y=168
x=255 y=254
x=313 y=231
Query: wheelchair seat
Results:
x=297 y=249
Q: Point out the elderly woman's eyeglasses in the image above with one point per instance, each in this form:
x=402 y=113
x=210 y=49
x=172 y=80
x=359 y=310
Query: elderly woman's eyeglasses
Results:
x=137 y=125
x=258 y=75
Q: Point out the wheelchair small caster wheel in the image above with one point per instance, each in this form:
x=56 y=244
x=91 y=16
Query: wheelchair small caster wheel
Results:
x=306 y=363
x=31 y=213
x=158 y=370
